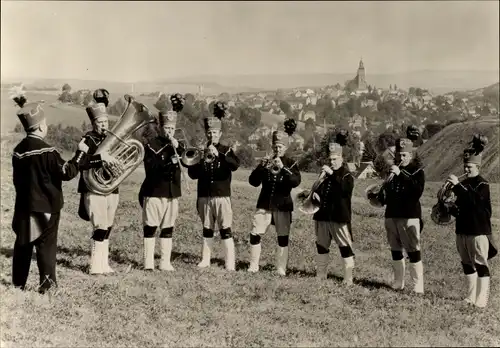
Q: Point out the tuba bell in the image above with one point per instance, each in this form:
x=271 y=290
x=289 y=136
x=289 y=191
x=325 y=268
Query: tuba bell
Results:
x=122 y=142
x=442 y=212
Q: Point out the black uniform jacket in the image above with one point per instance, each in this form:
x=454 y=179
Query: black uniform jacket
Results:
x=335 y=194
x=473 y=213
x=163 y=171
x=474 y=206
x=275 y=192
x=403 y=192
x=38 y=172
x=214 y=179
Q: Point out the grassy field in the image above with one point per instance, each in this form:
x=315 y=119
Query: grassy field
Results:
x=211 y=307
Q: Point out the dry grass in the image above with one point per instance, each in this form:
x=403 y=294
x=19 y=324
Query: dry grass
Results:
x=442 y=153
x=193 y=307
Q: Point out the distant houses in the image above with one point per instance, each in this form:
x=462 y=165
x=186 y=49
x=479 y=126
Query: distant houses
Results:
x=365 y=170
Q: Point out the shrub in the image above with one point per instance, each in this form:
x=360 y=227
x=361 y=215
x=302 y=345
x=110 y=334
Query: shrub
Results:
x=65 y=97
x=245 y=154
x=64 y=138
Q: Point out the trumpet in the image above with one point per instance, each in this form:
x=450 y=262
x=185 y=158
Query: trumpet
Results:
x=441 y=211
x=209 y=154
x=271 y=163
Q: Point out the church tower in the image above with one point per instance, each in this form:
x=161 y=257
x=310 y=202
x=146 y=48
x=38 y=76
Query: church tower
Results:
x=361 y=76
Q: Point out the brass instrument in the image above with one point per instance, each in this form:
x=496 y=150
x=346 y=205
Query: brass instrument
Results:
x=178 y=158
x=273 y=166
x=194 y=155
x=306 y=203
x=372 y=192
x=271 y=163
x=191 y=156
x=441 y=211
x=122 y=142
x=209 y=154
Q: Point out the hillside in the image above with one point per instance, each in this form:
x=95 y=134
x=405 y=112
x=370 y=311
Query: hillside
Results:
x=438 y=82
x=442 y=153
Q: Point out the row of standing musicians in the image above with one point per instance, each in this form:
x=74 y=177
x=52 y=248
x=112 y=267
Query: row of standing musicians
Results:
x=38 y=171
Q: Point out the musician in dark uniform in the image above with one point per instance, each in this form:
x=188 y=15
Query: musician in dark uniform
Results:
x=274 y=205
x=403 y=215
x=38 y=172
x=214 y=189
x=333 y=219
x=473 y=225
x=161 y=189
x=98 y=209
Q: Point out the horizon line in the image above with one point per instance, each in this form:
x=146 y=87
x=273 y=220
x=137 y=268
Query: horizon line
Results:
x=173 y=79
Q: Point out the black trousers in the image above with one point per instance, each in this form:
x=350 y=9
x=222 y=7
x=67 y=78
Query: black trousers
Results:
x=46 y=249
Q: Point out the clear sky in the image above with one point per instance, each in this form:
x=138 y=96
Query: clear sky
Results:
x=136 y=41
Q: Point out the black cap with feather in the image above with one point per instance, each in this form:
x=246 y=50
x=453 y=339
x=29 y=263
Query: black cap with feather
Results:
x=474 y=152
x=282 y=137
x=168 y=108
x=338 y=142
x=220 y=111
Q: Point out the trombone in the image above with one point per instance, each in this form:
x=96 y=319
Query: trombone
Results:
x=179 y=158
x=194 y=155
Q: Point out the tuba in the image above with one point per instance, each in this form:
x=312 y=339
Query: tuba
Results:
x=441 y=212
x=306 y=202
x=122 y=142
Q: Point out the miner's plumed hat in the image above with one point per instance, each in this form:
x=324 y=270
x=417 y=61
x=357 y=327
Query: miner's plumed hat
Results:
x=404 y=145
x=335 y=145
x=168 y=113
x=474 y=152
x=215 y=122
x=96 y=111
x=283 y=136
x=31 y=114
